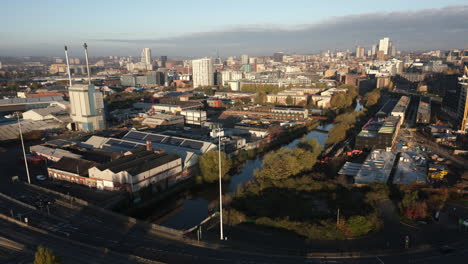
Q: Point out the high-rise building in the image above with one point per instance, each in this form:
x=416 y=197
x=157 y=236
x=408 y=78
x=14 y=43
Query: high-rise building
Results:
x=384 y=45
x=146 y=56
x=278 y=56
x=86 y=107
x=162 y=61
x=360 y=52
x=392 y=50
x=245 y=59
x=202 y=72
x=380 y=55
x=374 y=50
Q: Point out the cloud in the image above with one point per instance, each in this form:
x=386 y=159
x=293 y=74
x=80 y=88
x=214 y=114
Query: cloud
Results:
x=441 y=28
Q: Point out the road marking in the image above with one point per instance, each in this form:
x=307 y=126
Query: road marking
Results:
x=409 y=225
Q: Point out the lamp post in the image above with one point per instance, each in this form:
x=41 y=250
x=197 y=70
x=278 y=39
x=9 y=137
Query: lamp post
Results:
x=24 y=151
x=221 y=234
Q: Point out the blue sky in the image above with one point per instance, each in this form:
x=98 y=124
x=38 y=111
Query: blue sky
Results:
x=36 y=27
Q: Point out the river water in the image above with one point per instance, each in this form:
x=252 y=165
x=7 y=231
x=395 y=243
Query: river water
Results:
x=195 y=207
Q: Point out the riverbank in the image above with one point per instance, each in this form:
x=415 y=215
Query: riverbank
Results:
x=192 y=206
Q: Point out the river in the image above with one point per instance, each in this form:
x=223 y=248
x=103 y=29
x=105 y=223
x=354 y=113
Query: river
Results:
x=195 y=206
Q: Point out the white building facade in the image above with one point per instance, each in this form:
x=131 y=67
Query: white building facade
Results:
x=202 y=72
x=86 y=108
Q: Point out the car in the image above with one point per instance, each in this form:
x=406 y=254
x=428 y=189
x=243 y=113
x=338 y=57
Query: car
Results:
x=41 y=177
x=446 y=249
x=465 y=223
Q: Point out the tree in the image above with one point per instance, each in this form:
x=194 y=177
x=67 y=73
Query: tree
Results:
x=260 y=98
x=289 y=100
x=372 y=98
x=337 y=133
x=45 y=256
x=209 y=166
x=36 y=85
x=12 y=86
x=275 y=130
x=338 y=100
x=359 y=225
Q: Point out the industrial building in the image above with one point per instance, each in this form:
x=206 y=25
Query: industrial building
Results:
x=87 y=108
x=401 y=107
x=288 y=113
x=159 y=119
x=376 y=168
x=377 y=134
x=136 y=170
x=194 y=117
x=411 y=168
x=423 y=115
x=24 y=104
x=188 y=149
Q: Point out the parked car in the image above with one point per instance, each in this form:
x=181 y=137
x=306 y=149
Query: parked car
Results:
x=41 y=177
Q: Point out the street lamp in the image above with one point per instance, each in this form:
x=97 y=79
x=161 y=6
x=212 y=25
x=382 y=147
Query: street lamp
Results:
x=220 y=188
x=24 y=152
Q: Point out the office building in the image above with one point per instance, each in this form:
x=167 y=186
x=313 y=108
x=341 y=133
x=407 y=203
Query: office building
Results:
x=146 y=56
x=384 y=45
x=162 y=61
x=86 y=108
x=202 y=72
x=360 y=52
x=245 y=59
x=278 y=56
x=374 y=50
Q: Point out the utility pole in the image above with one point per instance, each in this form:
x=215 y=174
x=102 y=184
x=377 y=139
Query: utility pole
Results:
x=24 y=151
x=220 y=189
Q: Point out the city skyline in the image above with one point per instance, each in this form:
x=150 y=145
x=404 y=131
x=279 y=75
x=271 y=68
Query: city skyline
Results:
x=289 y=30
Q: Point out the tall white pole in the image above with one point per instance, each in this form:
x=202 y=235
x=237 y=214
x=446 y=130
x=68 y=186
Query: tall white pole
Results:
x=24 y=151
x=68 y=66
x=87 y=62
x=220 y=189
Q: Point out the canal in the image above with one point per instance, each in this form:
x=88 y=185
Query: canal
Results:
x=196 y=205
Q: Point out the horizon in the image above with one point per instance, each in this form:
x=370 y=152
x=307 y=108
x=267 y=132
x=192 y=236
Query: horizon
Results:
x=112 y=29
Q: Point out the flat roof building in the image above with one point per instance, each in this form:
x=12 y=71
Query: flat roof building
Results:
x=376 y=168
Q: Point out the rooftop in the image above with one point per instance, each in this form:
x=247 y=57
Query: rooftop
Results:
x=138 y=162
x=45 y=99
x=376 y=167
x=411 y=168
x=73 y=165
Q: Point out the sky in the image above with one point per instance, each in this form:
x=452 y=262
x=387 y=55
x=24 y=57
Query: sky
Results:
x=197 y=28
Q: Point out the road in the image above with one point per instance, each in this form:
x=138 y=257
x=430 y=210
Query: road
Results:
x=68 y=227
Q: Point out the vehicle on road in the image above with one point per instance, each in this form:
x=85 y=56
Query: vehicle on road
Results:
x=41 y=177
x=465 y=223
x=446 y=249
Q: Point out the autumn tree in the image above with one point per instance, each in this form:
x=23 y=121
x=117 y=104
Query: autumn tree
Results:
x=209 y=166
x=45 y=256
